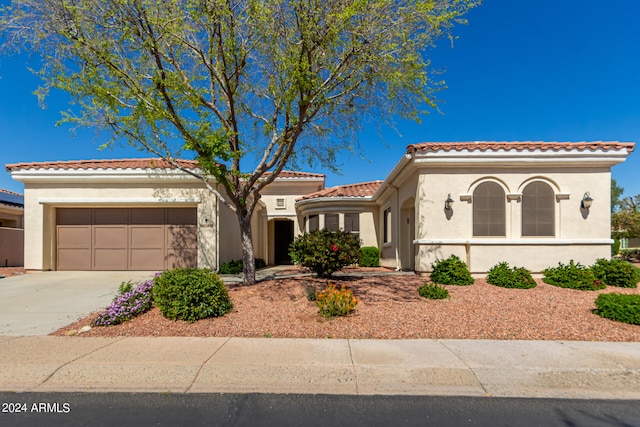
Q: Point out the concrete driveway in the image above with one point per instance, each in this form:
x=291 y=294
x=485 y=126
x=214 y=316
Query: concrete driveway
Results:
x=39 y=303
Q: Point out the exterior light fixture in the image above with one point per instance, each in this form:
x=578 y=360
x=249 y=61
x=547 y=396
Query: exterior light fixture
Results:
x=586 y=201
x=449 y=202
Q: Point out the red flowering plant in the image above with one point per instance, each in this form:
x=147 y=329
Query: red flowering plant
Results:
x=325 y=251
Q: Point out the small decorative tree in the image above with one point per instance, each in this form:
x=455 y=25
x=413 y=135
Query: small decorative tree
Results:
x=325 y=251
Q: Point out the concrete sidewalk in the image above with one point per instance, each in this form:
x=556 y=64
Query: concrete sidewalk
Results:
x=551 y=369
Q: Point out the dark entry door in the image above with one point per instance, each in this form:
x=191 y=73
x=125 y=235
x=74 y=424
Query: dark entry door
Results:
x=283 y=231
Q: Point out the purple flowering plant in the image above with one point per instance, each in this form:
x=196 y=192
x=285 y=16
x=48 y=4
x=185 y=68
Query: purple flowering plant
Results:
x=127 y=305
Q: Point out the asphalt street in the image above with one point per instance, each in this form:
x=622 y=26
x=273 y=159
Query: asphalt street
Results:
x=143 y=409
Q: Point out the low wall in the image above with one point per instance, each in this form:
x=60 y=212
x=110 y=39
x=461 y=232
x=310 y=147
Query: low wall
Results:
x=11 y=247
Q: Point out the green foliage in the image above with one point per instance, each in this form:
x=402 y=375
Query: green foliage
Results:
x=615 y=248
x=125 y=287
x=235 y=266
x=504 y=276
x=616 y=272
x=190 y=294
x=619 y=307
x=221 y=82
x=433 y=291
x=312 y=293
x=369 y=256
x=451 y=271
x=630 y=254
x=325 y=251
x=333 y=302
x=573 y=276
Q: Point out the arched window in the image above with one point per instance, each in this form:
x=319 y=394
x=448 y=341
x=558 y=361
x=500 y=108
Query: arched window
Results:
x=538 y=210
x=489 y=210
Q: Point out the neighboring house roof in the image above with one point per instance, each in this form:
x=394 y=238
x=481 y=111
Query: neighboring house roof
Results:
x=122 y=164
x=520 y=146
x=101 y=164
x=360 y=190
x=11 y=199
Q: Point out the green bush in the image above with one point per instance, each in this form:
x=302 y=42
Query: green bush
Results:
x=333 y=302
x=620 y=307
x=235 y=266
x=433 y=291
x=325 y=251
x=573 y=276
x=517 y=277
x=369 y=256
x=190 y=294
x=630 y=254
x=616 y=272
x=615 y=248
x=451 y=271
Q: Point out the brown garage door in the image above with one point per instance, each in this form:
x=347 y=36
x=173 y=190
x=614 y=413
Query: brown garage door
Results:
x=126 y=238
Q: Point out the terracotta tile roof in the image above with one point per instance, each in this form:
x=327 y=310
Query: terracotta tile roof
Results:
x=520 y=146
x=100 y=164
x=363 y=189
x=292 y=174
x=115 y=164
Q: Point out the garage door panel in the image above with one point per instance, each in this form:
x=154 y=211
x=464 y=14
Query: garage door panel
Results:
x=146 y=259
x=182 y=216
x=75 y=216
x=150 y=216
x=110 y=236
x=182 y=258
x=182 y=236
x=74 y=259
x=147 y=236
x=126 y=238
x=110 y=216
x=74 y=236
x=110 y=259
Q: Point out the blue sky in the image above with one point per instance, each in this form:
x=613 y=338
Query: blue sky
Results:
x=551 y=70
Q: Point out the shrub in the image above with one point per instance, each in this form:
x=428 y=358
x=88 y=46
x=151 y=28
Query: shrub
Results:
x=433 y=291
x=333 y=302
x=573 y=276
x=235 y=266
x=615 y=248
x=311 y=292
x=616 y=272
x=369 y=256
x=451 y=271
x=126 y=305
x=630 y=254
x=190 y=294
x=325 y=251
x=125 y=287
x=517 y=277
x=620 y=307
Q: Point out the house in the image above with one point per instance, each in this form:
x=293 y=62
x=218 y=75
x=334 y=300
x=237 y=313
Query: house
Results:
x=11 y=232
x=531 y=204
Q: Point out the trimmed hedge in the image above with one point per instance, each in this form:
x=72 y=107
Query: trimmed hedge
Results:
x=451 y=271
x=504 y=276
x=369 y=256
x=190 y=294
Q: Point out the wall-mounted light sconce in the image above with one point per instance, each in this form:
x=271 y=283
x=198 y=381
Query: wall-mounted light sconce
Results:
x=586 y=201
x=449 y=202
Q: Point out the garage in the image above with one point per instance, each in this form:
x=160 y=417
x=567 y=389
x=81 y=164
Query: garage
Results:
x=126 y=238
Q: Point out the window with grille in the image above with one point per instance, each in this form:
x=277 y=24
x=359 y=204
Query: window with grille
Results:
x=538 y=210
x=281 y=204
x=489 y=210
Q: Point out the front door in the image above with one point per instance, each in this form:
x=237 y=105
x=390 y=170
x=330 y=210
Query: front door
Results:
x=283 y=236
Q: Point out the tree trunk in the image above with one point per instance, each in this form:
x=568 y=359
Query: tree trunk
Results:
x=248 y=257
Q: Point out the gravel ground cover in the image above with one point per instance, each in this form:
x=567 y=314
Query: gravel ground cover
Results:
x=390 y=308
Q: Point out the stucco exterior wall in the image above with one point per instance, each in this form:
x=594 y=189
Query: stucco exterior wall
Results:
x=42 y=199
x=11 y=247
x=580 y=234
